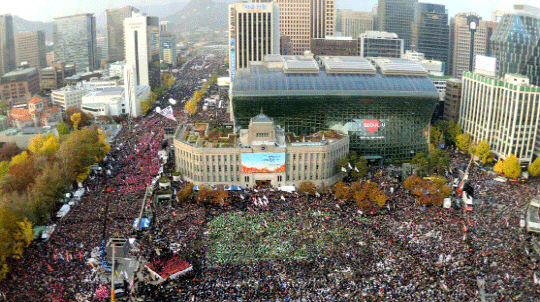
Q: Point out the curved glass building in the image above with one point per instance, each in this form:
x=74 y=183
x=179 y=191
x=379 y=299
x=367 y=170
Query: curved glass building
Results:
x=515 y=43
x=384 y=105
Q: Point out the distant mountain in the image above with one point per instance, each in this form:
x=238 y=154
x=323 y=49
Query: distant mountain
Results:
x=201 y=13
x=22 y=25
x=156 y=10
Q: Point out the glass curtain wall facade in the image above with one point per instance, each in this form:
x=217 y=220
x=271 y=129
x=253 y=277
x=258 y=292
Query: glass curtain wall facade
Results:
x=385 y=116
x=115 y=32
x=515 y=45
x=75 y=41
x=397 y=16
x=431 y=32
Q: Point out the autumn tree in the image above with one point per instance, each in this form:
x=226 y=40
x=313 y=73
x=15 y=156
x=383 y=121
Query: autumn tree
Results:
x=185 y=194
x=511 y=166
x=435 y=134
x=498 y=167
x=483 y=150
x=307 y=187
x=8 y=150
x=342 y=191
x=463 y=141
x=369 y=195
x=534 y=168
x=62 y=128
x=85 y=118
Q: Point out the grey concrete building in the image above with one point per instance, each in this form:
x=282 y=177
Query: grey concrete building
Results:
x=7 y=45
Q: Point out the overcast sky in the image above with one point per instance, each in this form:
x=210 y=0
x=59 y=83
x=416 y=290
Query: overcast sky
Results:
x=46 y=10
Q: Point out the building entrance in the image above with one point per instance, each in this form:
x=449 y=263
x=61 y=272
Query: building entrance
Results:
x=263 y=183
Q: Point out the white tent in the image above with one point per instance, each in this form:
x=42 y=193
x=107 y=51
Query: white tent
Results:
x=289 y=189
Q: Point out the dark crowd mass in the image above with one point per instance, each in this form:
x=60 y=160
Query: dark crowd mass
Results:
x=300 y=248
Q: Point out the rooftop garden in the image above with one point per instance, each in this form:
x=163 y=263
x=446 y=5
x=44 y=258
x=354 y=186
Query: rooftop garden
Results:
x=314 y=138
x=205 y=135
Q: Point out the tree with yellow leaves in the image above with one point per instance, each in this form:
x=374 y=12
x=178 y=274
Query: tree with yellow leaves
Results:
x=498 y=167
x=36 y=143
x=483 y=150
x=19 y=159
x=511 y=166
x=76 y=119
x=50 y=145
x=191 y=107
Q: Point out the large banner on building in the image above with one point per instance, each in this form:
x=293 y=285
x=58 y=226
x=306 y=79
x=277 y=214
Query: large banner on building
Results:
x=263 y=162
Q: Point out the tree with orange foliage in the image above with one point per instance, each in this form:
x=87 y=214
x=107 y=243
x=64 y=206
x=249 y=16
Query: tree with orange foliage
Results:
x=368 y=195
x=341 y=191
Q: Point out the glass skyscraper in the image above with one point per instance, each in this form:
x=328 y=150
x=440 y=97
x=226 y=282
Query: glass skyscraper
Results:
x=7 y=45
x=397 y=16
x=515 y=43
x=430 y=32
x=115 y=32
x=75 y=41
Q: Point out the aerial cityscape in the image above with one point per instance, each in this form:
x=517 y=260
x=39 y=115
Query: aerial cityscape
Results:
x=270 y=150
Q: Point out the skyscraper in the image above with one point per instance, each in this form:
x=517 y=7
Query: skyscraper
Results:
x=397 y=16
x=430 y=32
x=355 y=23
x=460 y=42
x=75 y=41
x=142 y=49
x=303 y=20
x=253 y=33
x=515 y=43
x=115 y=32
x=30 y=48
x=7 y=45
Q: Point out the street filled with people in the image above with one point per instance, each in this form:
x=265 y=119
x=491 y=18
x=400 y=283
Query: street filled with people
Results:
x=266 y=244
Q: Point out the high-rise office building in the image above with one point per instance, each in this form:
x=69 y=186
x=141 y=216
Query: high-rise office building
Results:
x=142 y=49
x=355 y=23
x=102 y=47
x=452 y=100
x=503 y=111
x=75 y=41
x=430 y=32
x=461 y=29
x=115 y=32
x=30 y=48
x=515 y=43
x=303 y=20
x=167 y=50
x=397 y=16
x=380 y=44
x=253 y=33
x=7 y=45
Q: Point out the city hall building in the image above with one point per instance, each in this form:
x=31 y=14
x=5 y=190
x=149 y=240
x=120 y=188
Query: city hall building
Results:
x=262 y=154
x=384 y=105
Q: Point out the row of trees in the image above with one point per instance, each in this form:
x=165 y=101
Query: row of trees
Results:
x=366 y=195
x=167 y=81
x=429 y=192
x=33 y=182
x=204 y=194
x=191 y=106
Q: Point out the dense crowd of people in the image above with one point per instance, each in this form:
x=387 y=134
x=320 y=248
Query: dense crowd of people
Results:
x=407 y=252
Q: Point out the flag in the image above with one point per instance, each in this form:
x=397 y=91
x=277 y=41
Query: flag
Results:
x=343 y=169
x=49 y=267
x=350 y=167
x=168 y=113
x=356 y=169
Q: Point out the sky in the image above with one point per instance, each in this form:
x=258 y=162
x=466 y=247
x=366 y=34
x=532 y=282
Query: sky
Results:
x=40 y=10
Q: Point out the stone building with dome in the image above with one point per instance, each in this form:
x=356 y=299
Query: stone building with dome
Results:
x=261 y=155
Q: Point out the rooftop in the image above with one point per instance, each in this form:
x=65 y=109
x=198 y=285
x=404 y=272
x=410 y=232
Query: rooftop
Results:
x=337 y=76
x=19 y=75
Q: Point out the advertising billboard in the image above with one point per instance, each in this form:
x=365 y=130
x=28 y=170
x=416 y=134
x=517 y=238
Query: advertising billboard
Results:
x=232 y=58
x=166 y=45
x=485 y=64
x=363 y=128
x=263 y=162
